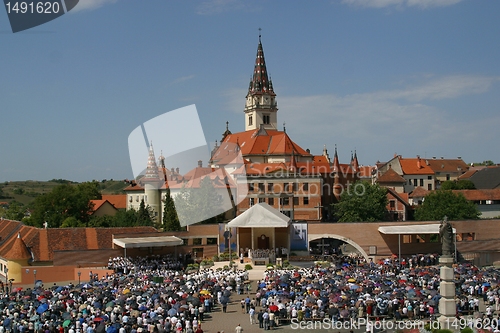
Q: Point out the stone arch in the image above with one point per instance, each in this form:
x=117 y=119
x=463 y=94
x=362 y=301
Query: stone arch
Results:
x=311 y=237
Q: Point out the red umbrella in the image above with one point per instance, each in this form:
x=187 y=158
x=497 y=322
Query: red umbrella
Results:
x=273 y=308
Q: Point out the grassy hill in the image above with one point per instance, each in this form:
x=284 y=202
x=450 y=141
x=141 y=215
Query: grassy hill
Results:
x=25 y=192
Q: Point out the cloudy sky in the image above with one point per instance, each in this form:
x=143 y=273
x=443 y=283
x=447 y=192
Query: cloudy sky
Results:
x=412 y=77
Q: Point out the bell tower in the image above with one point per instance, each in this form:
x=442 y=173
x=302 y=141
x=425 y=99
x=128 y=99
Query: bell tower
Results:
x=261 y=106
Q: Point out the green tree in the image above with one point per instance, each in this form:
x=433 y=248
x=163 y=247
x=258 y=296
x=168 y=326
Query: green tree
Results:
x=15 y=212
x=144 y=215
x=441 y=203
x=194 y=205
x=71 y=222
x=362 y=202
x=462 y=184
x=64 y=201
x=126 y=218
x=170 y=218
x=485 y=163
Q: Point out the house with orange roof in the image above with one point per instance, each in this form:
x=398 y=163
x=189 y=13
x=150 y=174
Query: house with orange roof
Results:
x=102 y=208
x=398 y=207
x=446 y=169
x=487 y=201
x=119 y=201
x=415 y=171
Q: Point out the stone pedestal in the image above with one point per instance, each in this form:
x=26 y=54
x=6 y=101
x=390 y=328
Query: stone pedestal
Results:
x=447 y=305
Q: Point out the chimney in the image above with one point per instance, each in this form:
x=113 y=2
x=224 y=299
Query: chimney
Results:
x=433 y=157
x=419 y=164
x=427 y=162
x=172 y=170
x=200 y=163
x=442 y=157
x=459 y=157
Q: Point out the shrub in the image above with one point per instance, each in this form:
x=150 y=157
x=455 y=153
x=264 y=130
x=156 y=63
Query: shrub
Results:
x=248 y=267
x=215 y=258
x=226 y=267
x=270 y=266
x=286 y=263
x=467 y=330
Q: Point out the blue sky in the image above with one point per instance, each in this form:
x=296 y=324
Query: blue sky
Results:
x=412 y=77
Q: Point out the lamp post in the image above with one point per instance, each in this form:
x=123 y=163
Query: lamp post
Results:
x=79 y=274
x=34 y=274
x=7 y=279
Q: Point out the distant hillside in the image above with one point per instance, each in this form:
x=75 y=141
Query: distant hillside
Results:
x=25 y=192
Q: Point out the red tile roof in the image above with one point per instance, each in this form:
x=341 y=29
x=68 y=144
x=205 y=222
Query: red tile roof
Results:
x=447 y=165
x=391 y=176
x=258 y=142
x=480 y=195
x=117 y=200
x=418 y=192
x=18 y=251
x=415 y=166
x=44 y=242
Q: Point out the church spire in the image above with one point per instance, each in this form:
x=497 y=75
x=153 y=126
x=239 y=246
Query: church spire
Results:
x=260 y=82
x=336 y=164
x=355 y=163
x=152 y=168
x=261 y=106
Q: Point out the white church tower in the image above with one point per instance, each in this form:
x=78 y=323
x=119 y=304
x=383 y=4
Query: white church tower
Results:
x=261 y=107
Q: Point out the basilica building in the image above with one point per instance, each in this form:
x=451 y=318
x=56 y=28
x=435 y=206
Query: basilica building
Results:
x=260 y=164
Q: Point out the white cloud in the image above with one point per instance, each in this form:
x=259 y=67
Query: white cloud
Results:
x=91 y=4
x=431 y=3
x=403 y=120
x=182 y=79
x=409 y=3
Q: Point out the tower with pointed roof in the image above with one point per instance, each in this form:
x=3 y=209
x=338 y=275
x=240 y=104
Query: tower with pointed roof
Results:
x=152 y=182
x=261 y=106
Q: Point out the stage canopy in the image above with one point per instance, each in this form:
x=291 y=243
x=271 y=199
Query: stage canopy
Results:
x=260 y=216
x=416 y=229
x=155 y=241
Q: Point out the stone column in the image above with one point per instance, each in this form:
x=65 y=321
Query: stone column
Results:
x=447 y=305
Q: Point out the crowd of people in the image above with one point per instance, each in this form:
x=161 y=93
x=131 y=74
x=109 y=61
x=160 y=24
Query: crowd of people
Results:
x=129 y=301
x=132 y=300
x=354 y=288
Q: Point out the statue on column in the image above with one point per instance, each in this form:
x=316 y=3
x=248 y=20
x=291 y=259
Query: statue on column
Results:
x=446 y=233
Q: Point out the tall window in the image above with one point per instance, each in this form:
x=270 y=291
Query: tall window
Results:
x=295 y=201
x=270 y=188
x=392 y=204
x=250 y=120
x=252 y=202
x=266 y=119
x=261 y=187
x=305 y=187
x=250 y=187
x=421 y=182
x=306 y=201
x=270 y=201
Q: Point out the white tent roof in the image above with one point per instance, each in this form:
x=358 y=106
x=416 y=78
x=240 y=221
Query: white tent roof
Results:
x=130 y=242
x=260 y=216
x=418 y=229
